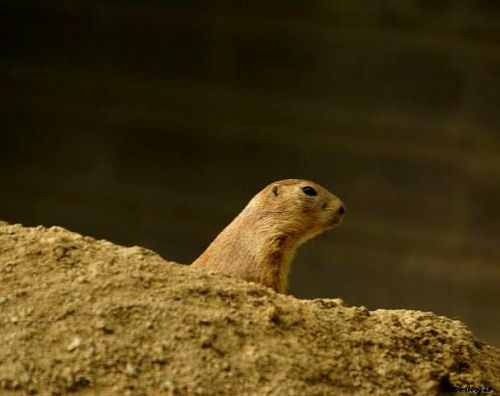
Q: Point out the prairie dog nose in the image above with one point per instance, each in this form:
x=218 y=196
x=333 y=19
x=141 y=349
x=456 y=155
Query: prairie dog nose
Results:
x=341 y=210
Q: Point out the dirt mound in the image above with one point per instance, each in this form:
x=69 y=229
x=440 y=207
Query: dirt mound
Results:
x=86 y=316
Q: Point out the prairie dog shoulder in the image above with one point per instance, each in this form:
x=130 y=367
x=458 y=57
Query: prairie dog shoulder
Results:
x=260 y=243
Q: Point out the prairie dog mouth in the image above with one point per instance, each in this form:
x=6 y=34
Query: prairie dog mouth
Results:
x=337 y=217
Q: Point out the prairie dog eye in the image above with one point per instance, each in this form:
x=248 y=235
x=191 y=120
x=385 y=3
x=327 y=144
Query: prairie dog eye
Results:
x=308 y=190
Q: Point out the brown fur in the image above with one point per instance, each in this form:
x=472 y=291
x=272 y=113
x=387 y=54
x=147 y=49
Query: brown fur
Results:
x=260 y=243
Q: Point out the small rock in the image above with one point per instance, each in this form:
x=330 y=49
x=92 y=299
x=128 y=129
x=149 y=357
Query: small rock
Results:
x=101 y=325
x=130 y=369
x=167 y=386
x=75 y=343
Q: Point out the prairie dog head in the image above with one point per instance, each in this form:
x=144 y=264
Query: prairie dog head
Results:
x=300 y=209
x=260 y=243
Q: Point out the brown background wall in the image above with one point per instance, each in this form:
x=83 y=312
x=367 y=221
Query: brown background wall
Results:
x=153 y=123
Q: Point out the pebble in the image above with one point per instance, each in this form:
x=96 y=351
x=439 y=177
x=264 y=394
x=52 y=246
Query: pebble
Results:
x=75 y=343
x=130 y=369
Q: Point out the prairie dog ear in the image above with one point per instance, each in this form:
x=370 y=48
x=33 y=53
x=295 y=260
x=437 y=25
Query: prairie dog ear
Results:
x=275 y=190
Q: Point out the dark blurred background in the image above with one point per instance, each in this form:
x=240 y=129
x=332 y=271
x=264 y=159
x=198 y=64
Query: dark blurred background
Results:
x=153 y=123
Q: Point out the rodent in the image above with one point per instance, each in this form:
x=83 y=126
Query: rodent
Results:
x=260 y=243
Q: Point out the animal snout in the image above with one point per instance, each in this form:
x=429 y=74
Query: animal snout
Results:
x=337 y=215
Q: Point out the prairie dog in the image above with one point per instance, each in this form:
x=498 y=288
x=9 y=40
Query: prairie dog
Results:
x=260 y=243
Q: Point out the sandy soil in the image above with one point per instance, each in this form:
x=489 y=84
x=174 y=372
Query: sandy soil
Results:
x=87 y=317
